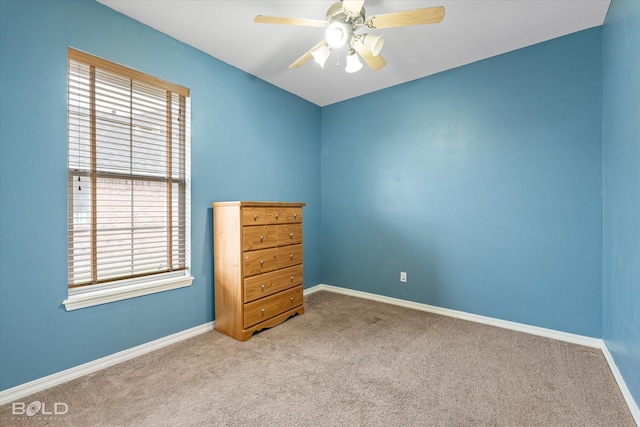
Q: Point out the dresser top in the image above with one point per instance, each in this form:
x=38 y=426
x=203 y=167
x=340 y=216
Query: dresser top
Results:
x=259 y=204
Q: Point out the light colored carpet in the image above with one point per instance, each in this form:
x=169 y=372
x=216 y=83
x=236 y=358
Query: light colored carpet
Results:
x=350 y=362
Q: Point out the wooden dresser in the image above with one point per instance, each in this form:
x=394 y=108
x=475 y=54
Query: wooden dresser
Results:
x=257 y=252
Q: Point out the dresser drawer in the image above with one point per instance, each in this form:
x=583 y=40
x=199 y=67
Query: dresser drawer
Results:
x=260 y=261
x=253 y=216
x=288 y=234
x=276 y=215
x=269 y=283
x=268 y=307
x=293 y=214
x=259 y=237
x=289 y=255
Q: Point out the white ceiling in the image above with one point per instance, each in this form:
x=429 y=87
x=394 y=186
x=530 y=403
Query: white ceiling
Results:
x=471 y=30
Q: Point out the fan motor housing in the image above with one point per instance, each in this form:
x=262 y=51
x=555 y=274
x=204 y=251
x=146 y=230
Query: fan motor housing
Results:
x=336 y=13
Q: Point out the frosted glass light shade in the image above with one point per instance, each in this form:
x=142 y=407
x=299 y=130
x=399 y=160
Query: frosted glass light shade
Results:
x=353 y=63
x=321 y=54
x=374 y=43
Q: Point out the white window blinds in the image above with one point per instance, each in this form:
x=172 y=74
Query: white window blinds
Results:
x=127 y=172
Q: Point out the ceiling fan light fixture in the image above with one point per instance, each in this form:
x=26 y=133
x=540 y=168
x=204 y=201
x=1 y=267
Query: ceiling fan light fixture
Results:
x=353 y=63
x=373 y=42
x=346 y=17
x=321 y=54
x=337 y=34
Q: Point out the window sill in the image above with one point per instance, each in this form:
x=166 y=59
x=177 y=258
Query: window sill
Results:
x=125 y=291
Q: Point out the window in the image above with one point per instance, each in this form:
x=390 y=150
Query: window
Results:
x=128 y=176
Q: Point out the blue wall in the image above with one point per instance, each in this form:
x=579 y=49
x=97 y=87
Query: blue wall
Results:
x=482 y=183
x=621 y=189
x=250 y=140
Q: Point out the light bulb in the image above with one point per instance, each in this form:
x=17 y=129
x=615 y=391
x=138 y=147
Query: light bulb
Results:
x=337 y=34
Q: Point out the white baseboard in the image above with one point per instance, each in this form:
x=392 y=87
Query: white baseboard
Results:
x=633 y=406
x=535 y=330
x=521 y=327
x=40 y=384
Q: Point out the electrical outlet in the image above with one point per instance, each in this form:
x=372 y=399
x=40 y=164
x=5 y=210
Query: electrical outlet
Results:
x=403 y=276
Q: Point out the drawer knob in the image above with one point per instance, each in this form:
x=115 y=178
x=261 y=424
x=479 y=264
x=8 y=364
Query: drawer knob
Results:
x=291 y=235
x=261 y=263
x=263 y=286
x=255 y=217
x=277 y=216
x=261 y=238
x=295 y=216
x=263 y=310
x=292 y=298
x=292 y=278
x=291 y=256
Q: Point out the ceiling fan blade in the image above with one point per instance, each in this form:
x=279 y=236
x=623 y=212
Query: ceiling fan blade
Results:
x=262 y=19
x=307 y=56
x=374 y=62
x=429 y=15
x=352 y=7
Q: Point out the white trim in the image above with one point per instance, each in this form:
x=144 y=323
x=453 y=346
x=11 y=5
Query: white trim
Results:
x=40 y=384
x=633 y=406
x=314 y=289
x=521 y=327
x=534 y=330
x=118 y=293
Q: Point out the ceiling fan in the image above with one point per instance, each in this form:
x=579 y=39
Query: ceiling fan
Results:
x=344 y=19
